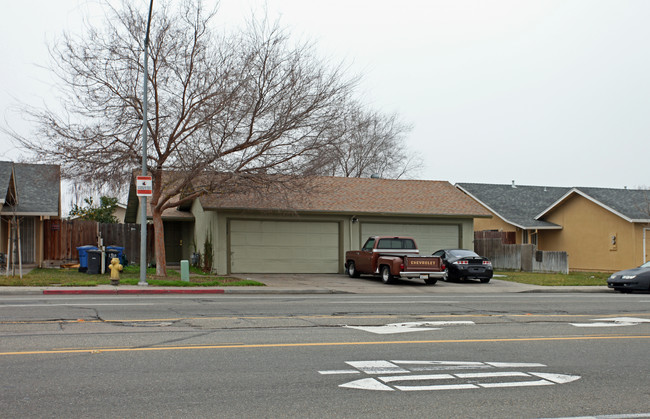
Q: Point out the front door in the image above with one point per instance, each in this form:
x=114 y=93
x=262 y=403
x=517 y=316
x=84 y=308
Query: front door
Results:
x=173 y=241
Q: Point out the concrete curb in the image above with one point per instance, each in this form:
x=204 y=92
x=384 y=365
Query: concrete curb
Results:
x=262 y=290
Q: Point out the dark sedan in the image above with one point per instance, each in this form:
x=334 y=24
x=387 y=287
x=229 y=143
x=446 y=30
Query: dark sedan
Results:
x=636 y=279
x=463 y=264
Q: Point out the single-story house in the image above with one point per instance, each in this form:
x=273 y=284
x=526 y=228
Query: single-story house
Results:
x=601 y=229
x=310 y=232
x=29 y=194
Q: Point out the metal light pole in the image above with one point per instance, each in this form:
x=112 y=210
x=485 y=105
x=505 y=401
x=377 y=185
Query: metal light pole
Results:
x=143 y=199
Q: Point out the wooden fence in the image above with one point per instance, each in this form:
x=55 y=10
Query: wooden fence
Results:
x=521 y=257
x=62 y=237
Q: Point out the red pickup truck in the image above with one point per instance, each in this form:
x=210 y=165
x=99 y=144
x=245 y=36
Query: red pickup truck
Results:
x=393 y=257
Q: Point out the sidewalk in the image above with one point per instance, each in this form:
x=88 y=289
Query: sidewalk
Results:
x=310 y=284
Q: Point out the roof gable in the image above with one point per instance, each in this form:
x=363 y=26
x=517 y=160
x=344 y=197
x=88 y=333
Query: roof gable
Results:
x=37 y=188
x=633 y=205
x=517 y=205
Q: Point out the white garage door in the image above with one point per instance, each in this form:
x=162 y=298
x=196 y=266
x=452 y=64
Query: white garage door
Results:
x=283 y=247
x=428 y=237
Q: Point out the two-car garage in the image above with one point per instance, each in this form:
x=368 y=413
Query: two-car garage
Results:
x=276 y=246
x=267 y=246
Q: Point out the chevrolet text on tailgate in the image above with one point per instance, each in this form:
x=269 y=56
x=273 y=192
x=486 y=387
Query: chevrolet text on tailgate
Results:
x=393 y=257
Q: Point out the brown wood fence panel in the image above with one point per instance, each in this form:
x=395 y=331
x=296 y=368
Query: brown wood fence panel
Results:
x=62 y=237
x=521 y=257
x=128 y=237
x=506 y=237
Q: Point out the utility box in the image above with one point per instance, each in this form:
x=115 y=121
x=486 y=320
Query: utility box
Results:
x=185 y=270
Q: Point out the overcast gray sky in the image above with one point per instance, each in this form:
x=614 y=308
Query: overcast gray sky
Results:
x=542 y=92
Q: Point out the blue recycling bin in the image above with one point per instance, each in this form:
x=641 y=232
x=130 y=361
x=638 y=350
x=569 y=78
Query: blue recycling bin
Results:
x=83 y=256
x=117 y=250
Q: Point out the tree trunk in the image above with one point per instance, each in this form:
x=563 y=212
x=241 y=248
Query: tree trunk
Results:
x=159 y=243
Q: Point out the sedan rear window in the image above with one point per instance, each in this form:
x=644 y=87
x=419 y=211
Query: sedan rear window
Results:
x=463 y=253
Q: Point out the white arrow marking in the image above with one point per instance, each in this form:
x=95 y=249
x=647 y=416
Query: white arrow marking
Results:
x=408 y=327
x=367 y=384
x=375 y=384
x=557 y=378
x=417 y=377
x=377 y=367
x=613 y=322
x=624 y=320
x=386 y=330
x=400 y=374
x=440 y=387
x=492 y=374
x=517 y=384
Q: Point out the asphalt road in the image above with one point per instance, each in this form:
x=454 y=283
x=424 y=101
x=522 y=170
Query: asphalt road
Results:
x=468 y=355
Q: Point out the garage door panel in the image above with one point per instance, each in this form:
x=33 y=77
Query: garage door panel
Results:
x=429 y=237
x=283 y=247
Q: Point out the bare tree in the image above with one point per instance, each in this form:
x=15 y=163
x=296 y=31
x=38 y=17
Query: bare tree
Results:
x=369 y=143
x=246 y=105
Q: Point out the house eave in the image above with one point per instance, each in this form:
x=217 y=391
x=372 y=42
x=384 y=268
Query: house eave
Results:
x=342 y=212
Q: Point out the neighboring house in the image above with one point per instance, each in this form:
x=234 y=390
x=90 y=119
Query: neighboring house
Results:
x=120 y=212
x=600 y=229
x=310 y=233
x=29 y=194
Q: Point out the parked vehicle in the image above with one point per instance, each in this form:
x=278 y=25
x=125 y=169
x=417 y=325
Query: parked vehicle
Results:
x=393 y=257
x=636 y=279
x=462 y=264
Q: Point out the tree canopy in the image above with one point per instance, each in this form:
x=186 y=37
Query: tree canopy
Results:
x=102 y=213
x=244 y=104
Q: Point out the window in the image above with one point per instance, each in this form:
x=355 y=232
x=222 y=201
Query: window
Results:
x=369 y=244
x=396 y=243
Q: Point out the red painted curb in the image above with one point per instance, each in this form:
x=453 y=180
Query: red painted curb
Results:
x=131 y=292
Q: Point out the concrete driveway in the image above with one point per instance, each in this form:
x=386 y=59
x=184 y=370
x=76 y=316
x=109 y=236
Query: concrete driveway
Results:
x=340 y=283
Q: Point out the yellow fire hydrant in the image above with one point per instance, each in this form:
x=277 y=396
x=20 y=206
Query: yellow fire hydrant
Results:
x=115 y=268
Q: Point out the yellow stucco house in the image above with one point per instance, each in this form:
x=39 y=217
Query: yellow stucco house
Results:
x=601 y=229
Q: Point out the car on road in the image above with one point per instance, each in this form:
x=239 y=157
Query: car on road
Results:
x=635 y=279
x=463 y=264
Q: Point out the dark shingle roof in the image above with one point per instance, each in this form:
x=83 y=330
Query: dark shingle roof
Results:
x=516 y=205
x=359 y=196
x=38 y=188
x=5 y=177
x=523 y=205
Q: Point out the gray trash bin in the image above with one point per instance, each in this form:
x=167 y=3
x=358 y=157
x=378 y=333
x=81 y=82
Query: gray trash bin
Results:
x=94 y=262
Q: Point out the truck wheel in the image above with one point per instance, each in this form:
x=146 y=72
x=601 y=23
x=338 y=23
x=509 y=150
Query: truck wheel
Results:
x=386 y=277
x=430 y=281
x=352 y=270
x=485 y=280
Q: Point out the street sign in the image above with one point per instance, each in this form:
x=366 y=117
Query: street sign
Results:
x=144 y=185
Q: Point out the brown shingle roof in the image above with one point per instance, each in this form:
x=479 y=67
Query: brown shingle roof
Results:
x=359 y=196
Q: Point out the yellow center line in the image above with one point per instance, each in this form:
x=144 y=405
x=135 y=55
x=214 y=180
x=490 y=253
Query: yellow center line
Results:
x=319 y=344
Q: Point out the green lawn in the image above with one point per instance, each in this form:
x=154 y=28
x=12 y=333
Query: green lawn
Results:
x=571 y=279
x=129 y=276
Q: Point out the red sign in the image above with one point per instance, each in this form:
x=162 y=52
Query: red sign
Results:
x=144 y=185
